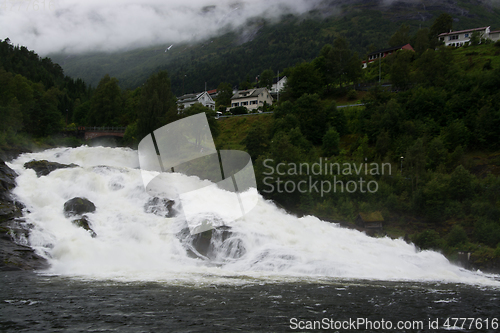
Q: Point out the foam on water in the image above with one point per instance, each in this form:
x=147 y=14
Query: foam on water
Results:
x=132 y=244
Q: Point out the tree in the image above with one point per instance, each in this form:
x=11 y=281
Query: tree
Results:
x=266 y=78
x=331 y=142
x=460 y=185
x=337 y=119
x=400 y=69
x=244 y=85
x=312 y=117
x=415 y=161
x=224 y=94
x=256 y=141
x=422 y=42
x=400 y=37
x=157 y=106
x=304 y=79
x=338 y=64
x=444 y=23
x=106 y=103
x=475 y=38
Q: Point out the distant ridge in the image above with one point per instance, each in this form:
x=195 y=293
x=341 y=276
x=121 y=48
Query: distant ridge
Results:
x=262 y=45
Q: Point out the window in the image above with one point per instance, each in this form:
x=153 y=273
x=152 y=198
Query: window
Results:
x=244 y=103
x=453 y=37
x=466 y=35
x=235 y=104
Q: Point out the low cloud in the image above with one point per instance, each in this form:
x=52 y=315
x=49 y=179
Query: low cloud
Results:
x=72 y=26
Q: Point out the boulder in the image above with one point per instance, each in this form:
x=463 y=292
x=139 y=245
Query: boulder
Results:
x=83 y=222
x=160 y=206
x=44 y=167
x=78 y=206
x=218 y=244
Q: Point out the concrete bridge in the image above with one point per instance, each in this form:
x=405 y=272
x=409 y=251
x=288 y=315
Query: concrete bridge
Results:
x=90 y=133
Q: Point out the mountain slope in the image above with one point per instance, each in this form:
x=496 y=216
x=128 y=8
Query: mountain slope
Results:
x=260 y=45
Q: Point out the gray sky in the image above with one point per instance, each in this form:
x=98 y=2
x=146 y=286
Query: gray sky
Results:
x=75 y=26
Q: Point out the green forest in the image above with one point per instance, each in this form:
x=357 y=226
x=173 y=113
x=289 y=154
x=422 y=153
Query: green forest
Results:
x=432 y=115
x=437 y=125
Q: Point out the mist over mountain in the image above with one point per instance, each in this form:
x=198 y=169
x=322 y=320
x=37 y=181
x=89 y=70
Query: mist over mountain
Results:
x=74 y=27
x=286 y=34
x=202 y=41
x=86 y=26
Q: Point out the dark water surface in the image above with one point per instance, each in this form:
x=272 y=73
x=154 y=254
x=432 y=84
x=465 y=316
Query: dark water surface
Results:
x=34 y=303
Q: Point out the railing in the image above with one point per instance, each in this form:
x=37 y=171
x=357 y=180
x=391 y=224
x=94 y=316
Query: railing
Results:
x=102 y=129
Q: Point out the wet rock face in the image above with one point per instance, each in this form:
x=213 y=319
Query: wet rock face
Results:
x=44 y=167
x=218 y=245
x=160 y=206
x=78 y=206
x=13 y=256
x=7 y=181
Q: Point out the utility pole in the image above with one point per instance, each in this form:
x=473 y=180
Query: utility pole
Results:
x=278 y=86
x=379 y=68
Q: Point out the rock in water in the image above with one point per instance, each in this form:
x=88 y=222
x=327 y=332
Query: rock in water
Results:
x=218 y=244
x=44 y=167
x=160 y=206
x=83 y=222
x=78 y=206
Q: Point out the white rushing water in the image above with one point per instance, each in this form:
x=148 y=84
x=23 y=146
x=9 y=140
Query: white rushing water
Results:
x=133 y=245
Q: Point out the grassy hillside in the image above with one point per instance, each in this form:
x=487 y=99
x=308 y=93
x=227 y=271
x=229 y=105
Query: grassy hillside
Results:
x=235 y=129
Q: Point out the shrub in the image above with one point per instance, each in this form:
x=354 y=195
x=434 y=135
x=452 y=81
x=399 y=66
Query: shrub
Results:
x=487 y=232
x=352 y=95
x=239 y=110
x=428 y=239
x=456 y=237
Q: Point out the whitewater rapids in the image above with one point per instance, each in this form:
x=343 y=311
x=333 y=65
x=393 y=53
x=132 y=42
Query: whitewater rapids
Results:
x=133 y=245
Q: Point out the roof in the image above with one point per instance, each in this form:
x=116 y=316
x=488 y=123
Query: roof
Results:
x=213 y=91
x=372 y=217
x=390 y=49
x=188 y=98
x=462 y=31
x=276 y=80
x=248 y=93
x=494 y=31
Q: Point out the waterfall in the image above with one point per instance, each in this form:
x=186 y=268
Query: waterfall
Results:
x=135 y=242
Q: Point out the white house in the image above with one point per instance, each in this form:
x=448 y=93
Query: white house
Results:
x=462 y=37
x=188 y=100
x=251 y=98
x=495 y=35
x=278 y=84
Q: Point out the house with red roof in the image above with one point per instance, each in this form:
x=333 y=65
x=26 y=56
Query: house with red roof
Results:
x=384 y=53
